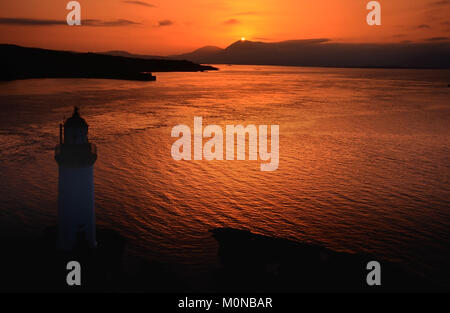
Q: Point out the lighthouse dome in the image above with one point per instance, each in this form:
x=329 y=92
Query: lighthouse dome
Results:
x=76 y=121
x=75 y=129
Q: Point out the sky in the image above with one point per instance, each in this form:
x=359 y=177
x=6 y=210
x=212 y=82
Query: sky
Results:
x=163 y=27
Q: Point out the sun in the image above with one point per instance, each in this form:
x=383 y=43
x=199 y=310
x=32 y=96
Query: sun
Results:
x=242 y=38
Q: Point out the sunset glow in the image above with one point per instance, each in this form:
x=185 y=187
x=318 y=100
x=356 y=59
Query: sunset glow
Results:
x=157 y=27
x=215 y=155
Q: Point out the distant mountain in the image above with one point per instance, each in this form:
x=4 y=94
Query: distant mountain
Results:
x=20 y=63
x=325 y=53
x=126 y=54
x=203 y=54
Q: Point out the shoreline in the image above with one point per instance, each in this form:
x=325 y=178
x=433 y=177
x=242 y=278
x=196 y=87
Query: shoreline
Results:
x=26 y=63
x=248 y=263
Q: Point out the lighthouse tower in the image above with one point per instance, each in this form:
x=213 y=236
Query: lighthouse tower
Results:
x=75 y=156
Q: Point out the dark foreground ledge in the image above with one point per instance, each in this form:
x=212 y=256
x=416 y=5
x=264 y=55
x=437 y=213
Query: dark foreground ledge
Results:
x=257 y=263
x=21 y=63
x=248 y=263
x=37 y=266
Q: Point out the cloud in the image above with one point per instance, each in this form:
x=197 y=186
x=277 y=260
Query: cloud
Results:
x=441 y=2
x=437 y=39
x=141 y=3
x=306 y=41
x=231 y=21
x=30 y=22
x=164 y=23
x=85 y=22
x=424 y=26
x=119 y=22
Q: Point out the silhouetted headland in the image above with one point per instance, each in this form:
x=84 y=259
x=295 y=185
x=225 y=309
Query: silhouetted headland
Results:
x=257 y=263
x=22 y=63
x=38 y=266
x=248 y=263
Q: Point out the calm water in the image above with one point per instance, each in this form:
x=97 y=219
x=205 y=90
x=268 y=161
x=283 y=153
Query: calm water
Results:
x=364 y=160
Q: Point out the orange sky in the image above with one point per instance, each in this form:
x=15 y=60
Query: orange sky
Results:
x=177 y=26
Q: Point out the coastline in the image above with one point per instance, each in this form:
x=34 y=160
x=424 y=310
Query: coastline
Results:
x=24 y=63
x=249 y=263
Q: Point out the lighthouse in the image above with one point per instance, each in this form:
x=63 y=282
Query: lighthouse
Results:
x=75 y=156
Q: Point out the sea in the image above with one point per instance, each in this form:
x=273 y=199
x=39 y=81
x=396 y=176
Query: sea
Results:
x=363 y=161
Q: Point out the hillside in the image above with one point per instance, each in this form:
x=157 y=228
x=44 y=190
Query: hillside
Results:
x=325 y=53
x=21 y=63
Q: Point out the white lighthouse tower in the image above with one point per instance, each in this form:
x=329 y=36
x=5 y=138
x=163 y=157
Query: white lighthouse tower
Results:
x=76 y=157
